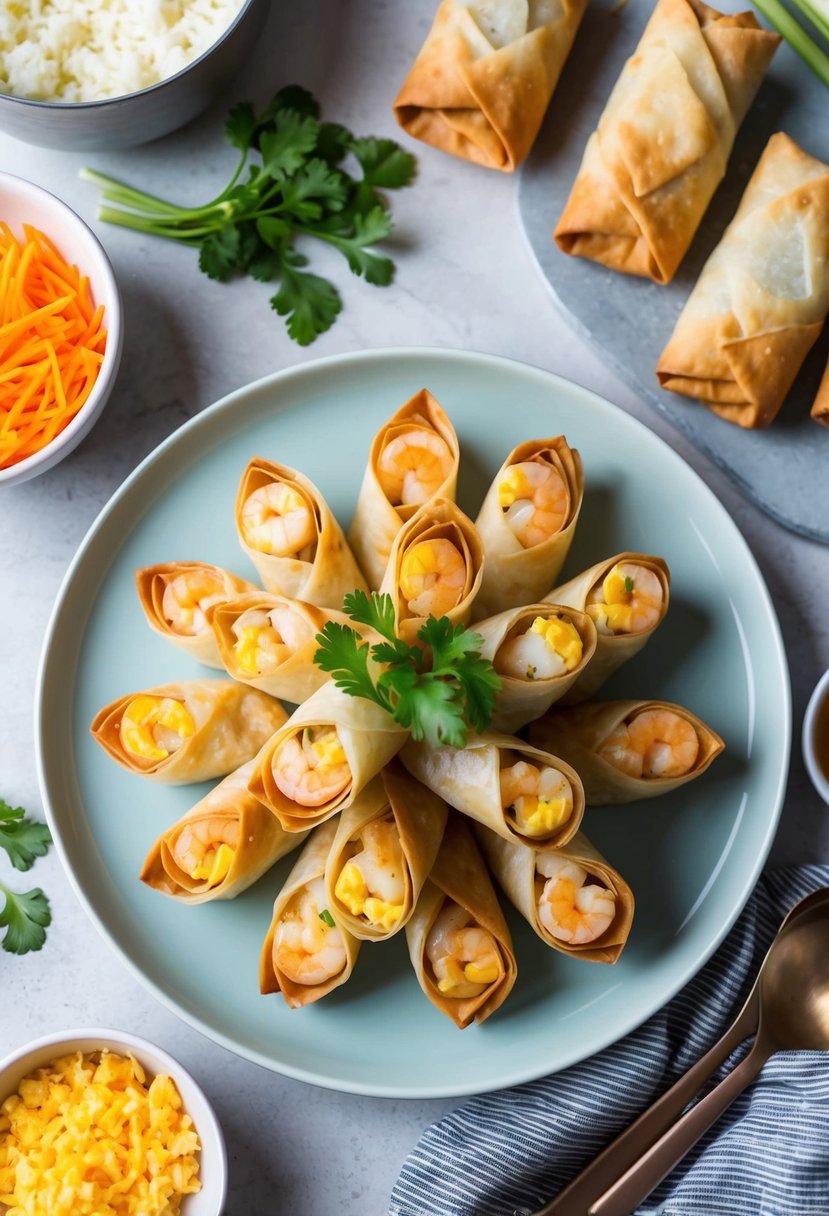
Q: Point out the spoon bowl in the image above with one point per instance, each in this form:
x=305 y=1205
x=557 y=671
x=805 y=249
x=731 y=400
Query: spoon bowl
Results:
x=794 y=989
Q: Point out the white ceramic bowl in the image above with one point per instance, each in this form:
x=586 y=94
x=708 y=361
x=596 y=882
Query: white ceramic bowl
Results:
x=815 y=721
x=21 y=202
x=209 y=1201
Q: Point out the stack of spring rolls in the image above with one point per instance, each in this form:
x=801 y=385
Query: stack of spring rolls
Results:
x=393 y=835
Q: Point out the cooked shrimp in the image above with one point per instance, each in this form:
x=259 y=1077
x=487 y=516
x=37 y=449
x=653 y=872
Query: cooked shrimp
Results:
x=205 y=848
x=266 y=639
x=153 y=727
x=371 y=883
x=310 y=767
x=305 y=947
x=551 y=646
x=413 y=466
x=654 y=743
x=540 y=799
x=432 y=577
x=628 y=600
x=535 y=501
x=186 y=599
x=571 y=909
x=465 y=958
x=278 y=519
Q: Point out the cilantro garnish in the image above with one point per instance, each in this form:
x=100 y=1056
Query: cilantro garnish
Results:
x=24 y=916
x=326 y=917
x=629 y=584
x=23 y=839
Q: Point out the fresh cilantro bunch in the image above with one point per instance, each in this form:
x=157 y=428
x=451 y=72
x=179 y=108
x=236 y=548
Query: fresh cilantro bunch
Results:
x=437 y=691
x=296 y=185
x=24 y=916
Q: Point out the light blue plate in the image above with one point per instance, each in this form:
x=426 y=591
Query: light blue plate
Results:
x=691 y=858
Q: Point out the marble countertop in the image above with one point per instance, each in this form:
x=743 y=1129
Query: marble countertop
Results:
x=465 y=280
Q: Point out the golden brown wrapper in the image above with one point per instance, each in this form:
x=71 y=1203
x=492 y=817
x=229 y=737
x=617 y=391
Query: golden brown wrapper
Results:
x=612 y=650
x=309 y=865
x=514 y=867
x=479 y=90
x=262 y=841
x=761 y=298
x=331 y=569
x=820 y=409
x=664 y=138
x=376 y=521
x=459 y=874
x=151 y=583
x=576 y=733
x=232 y=723
x=512 y=574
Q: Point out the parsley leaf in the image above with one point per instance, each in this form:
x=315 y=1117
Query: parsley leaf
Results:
x=220 y=252
x=23 y=839
x=377 y=612
x=25 y=917
x=342 y=652
x=240 y=127
x=310 y=303
x=384 y=163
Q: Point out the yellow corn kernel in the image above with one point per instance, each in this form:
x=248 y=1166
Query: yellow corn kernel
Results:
x=327 y=749
x=142 y=714
x=481 y=975
x=381 y=913
x=350 y=889
x=562 y=637
x=246 y=651
x=215 y=865
x=513 y=485
x=418 y=562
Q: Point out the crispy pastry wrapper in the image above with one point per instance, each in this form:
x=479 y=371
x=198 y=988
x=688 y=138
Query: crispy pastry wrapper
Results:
x=762 y=296
x=262 y=841
x=232 y=723
x=376 y=522
x=459 y=874
x=576 y=733
x=331 y=572
x=479 y=88
x=420 y=817
x=151 y=583
x=820 y=409
x=369 y=738
x=664 y=138
x=612 y=650
x=309 y=865
x=514 y=575
x=437 y=519
x=522 y=701
x=468 y=779
x=513 y=865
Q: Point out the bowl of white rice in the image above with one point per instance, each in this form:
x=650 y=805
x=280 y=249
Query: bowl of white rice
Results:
x=94 y=74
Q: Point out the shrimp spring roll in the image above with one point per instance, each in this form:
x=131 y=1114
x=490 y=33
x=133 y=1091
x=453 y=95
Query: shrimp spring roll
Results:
x=458 y=940
x=538 y=652
x=575 y=902
x=627 y=598
x=663 y=141
x=434 y=567
x=820 y=409
x=288 y=531
x=382 y=853
x=220 y=847
x=762 y=296
x=519 y=791
x=189 y=731
x=177 y=598
x=627 y=750
x=323 y=757
x=307 y=953
x=527 y=522
x=413 y=458
x=485 y=75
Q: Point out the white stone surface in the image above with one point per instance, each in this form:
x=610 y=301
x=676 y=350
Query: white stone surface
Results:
x=465 y=280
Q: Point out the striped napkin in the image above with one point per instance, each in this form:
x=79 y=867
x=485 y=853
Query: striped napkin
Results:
x=508 y=1153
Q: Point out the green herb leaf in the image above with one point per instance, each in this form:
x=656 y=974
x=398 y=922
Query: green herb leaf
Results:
x=23 y=839
x=376 y=612
x=25 y=917
x=285 y=145
x=311 y=305
x=219 y=255
x=327 y=918
x=629 y=584
x=384 y=163
x=316 y=183
x=342 y=652
x=240 y=127
x=430 y=708
x=293 y=97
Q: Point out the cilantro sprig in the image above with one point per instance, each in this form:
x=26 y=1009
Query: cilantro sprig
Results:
x=25 y=916
x=290 y=181
x=438 y=691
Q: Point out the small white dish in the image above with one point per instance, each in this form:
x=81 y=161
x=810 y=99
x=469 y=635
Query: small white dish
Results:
x=210 y=1200
x=816 y=737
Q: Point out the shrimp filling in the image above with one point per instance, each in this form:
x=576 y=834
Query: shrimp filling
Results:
x=654 y=743
x=465 y=958
x=629 y=600
x=187 y=598
x=205 y=848
x=535 y=501
x=371 y=884
x=432 y=577
x=266 y=640
x=550 y=647
x=310 y=767
x=538 y=799
x=413 y=466
x=277 y=519
x=306 y=948
x=570 y=908
x=153 y=727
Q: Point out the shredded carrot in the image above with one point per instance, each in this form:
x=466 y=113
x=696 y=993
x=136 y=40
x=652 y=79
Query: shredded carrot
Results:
x=51 y=343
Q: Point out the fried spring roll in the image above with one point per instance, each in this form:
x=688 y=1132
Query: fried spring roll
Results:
x=178 y=599
x=820 y=409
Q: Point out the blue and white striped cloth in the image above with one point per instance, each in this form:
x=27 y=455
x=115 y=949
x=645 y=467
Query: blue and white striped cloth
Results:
x=508 y=1153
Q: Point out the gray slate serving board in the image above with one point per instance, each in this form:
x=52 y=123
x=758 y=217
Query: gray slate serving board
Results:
x=784 y=468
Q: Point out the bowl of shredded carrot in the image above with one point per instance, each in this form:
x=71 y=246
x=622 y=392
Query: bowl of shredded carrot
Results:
x=60 y=329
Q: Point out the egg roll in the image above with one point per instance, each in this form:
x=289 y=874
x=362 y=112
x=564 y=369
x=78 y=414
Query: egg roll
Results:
x=820 y=409
x=762 y=296
x=627 y=597
x=220 y=847
x=527 y=523
x=178 y=599
x=458 y=940
x=290 y=534
x=307 y=953
x=627 y=750
x=188 y=731
x=664 y=138
x=323 y=757
x=484 y=77
x=413 y=458
x=572 y=898
x=517 y=790
x=382 y=853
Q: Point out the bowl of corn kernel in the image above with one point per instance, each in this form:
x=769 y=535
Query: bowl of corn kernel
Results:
x=102 y=1122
